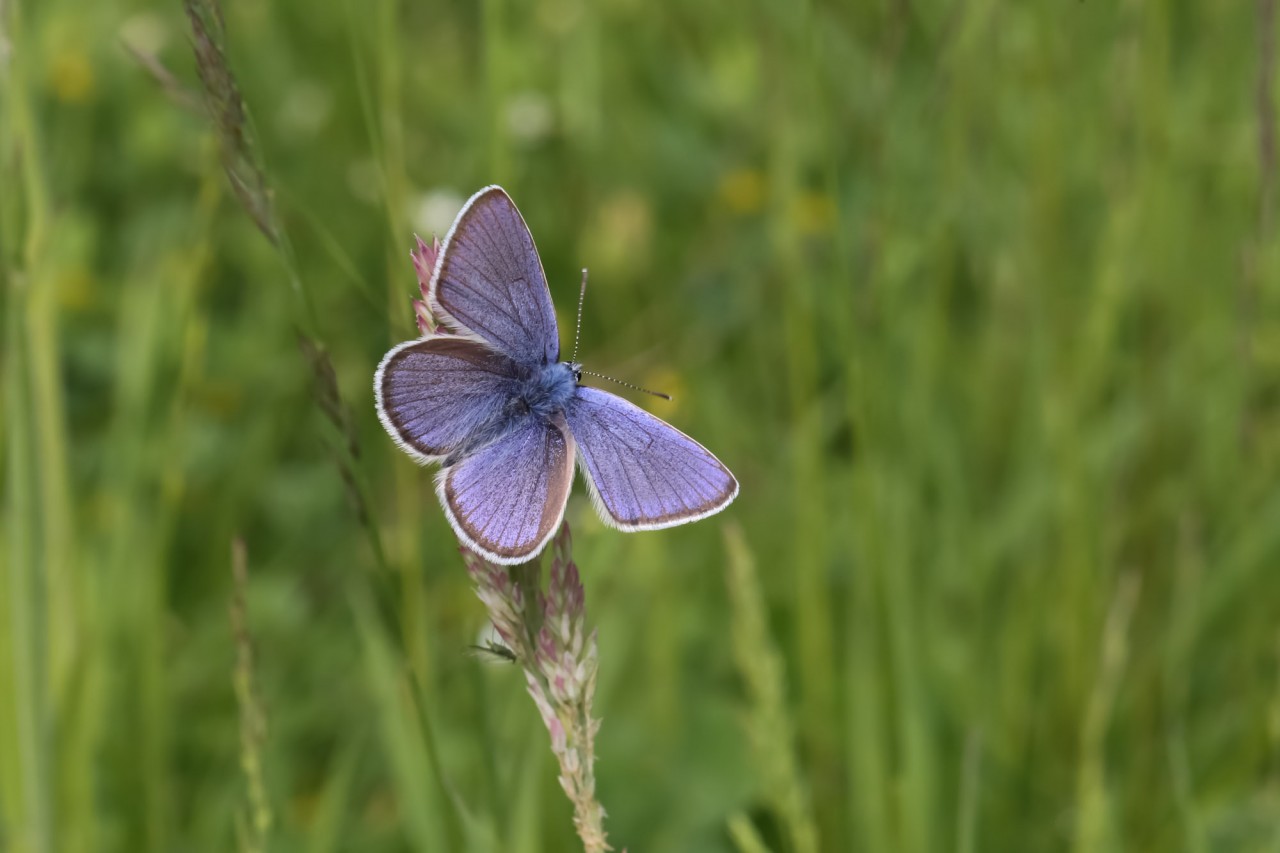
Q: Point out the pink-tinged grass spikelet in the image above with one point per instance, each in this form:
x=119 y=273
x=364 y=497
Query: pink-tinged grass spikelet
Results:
x=547 y=635
x=424 y=262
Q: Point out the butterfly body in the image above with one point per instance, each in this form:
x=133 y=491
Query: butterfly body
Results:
x=551 y=388
x=506 y=419
x=540 y=392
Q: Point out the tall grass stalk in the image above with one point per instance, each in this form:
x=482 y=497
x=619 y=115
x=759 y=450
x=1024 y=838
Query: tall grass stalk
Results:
x=770 y=727
x=1095 y=829
x=405 y=712
x=242 y=162
x=37 y=523
x=254 y=826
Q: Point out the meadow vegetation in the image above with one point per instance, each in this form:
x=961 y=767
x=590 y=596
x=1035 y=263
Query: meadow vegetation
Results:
x=980 y=300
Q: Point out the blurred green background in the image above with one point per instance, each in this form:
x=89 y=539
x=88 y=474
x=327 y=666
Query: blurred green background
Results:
x=979 y=299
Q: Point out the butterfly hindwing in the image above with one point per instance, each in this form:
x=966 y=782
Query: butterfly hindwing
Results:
x=644 y=473
x=433 y=394
x=506 y=499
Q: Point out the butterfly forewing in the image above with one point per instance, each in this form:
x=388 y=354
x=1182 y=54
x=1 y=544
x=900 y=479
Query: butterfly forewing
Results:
x=506 y=499
x=644 y=473
x=435 y=393
x=489 y=281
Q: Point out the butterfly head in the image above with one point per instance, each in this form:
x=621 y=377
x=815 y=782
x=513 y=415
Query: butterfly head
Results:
x=576 y=369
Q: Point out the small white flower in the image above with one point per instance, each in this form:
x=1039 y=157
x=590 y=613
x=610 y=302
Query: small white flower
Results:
x=305 y=110
x=529 y=117
x=434 y=211
x=146 y=32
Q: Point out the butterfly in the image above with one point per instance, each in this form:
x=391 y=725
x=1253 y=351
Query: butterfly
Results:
x=490 y=400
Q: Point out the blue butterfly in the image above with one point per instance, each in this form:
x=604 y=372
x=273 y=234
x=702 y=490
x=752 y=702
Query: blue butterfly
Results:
x=494 y=405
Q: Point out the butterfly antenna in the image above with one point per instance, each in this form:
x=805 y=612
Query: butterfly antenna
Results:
x=577 y=334
x=628 y=385
x=577 y=330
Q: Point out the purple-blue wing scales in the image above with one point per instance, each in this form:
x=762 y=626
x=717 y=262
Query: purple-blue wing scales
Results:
x=506 y=500
x=644 y=473
x=489 y=281
x=435 y=393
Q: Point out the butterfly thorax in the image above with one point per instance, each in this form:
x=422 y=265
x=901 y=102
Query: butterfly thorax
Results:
x=549 y=388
